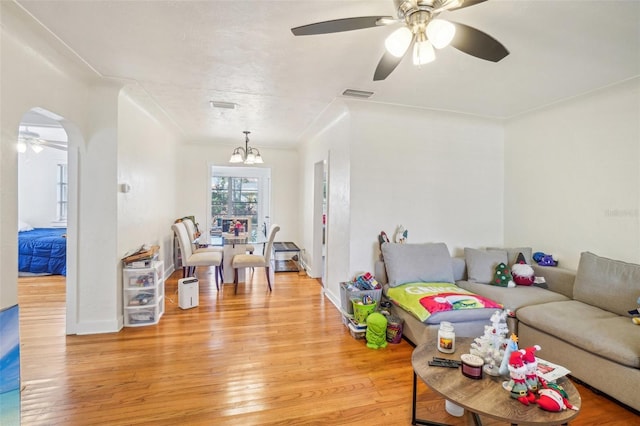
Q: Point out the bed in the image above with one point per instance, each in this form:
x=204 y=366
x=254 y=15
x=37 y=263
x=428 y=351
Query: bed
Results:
x=42 y=251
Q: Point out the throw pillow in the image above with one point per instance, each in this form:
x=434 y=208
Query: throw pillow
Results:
x=481 y=263
x=513 y=252
x=502 y=276
x=407 y=263
x=23 y=226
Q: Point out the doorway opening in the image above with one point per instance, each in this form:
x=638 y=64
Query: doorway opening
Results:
x=320 y=210
x=47 y=204
x=242 y=193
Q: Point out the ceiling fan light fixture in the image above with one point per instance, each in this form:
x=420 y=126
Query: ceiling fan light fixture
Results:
x=423 y=52
x=440 y=33
x=36 y=147
x=398 y=41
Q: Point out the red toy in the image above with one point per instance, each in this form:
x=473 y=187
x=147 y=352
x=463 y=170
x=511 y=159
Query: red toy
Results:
x=534 y=382
x=522 y=273
x=553 y=398
x=517 y=385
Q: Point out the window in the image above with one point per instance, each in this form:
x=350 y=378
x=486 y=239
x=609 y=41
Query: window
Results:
x=61 y=193
x=240 y=192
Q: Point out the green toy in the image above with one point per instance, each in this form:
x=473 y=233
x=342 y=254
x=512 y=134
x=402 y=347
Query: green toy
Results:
x=376 y=331
x=503 y=277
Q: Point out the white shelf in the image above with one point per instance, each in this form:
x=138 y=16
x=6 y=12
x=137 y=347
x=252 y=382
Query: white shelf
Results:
x=143 y=294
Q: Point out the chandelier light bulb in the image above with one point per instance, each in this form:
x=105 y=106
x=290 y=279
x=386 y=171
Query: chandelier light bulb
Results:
x=398 y=42
x=440 y=33
x=423 y=53
x=21 y=147
x=251 y=158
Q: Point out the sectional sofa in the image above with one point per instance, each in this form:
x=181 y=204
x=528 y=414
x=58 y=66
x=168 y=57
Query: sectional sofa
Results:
x=579 y=318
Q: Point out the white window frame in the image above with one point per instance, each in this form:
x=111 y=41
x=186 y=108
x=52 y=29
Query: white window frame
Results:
x=263 y=174
x=62 y=193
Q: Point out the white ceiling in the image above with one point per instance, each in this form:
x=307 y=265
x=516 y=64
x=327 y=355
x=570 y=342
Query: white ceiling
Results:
x=185 y=53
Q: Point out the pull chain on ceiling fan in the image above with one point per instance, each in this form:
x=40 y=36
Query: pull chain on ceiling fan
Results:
x=421 y=29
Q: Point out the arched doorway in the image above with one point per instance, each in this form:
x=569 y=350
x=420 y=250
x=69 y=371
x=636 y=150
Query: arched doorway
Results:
x=48 y=188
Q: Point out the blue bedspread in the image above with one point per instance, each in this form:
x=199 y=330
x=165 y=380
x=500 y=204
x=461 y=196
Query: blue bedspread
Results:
x=43 y=251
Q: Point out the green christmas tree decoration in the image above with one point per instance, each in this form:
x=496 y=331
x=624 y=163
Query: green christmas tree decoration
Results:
x=503 y=277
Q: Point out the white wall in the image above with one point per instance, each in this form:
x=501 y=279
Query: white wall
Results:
x=438 y=174
x=147 y=151
x=37 y=186
x=37 y=71
x=331 y=141
x=572 y=177
x=32 y=73
x=327 y=140
x=193 y=185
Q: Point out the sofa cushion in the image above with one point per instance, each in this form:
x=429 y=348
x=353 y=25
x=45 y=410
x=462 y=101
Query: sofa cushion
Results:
x=406 y=263
x=481 y=264
x=459 y=268
x=513 y=298
x=587 y=327
x=608 y=284
x=513 y=252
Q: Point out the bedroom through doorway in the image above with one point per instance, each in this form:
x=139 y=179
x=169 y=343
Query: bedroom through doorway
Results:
x=43 y=202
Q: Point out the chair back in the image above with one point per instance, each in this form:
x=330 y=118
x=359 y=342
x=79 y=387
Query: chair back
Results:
x=272 y=236
x=183 y=239
x=191 y=232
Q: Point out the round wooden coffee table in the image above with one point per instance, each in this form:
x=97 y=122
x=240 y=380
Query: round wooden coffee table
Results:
x=484 y=397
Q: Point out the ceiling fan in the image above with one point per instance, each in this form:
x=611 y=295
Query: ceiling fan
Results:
x=422 y=29
x=27 y=137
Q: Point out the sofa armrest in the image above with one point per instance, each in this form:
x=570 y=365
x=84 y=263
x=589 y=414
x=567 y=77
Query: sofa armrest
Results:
x=558 y=280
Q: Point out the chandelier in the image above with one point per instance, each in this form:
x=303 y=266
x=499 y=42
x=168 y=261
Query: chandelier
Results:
x=246 y=155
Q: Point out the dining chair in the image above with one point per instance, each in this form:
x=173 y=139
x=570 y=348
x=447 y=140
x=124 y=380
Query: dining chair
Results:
x=191 y=230
x=255 y=260
x=191 y=259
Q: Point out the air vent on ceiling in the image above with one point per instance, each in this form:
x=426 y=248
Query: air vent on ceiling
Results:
x=357 y=93
x=220 y=104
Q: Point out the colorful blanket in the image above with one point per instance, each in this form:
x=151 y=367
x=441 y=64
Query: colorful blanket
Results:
x=425 y=299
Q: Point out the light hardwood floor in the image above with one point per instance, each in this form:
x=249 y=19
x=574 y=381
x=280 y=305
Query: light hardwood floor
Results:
x=247 y=359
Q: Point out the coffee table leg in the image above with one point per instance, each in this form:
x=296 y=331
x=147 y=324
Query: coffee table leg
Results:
x=415 y=421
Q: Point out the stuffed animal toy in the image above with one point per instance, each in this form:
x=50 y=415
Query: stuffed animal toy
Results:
x=635 y=319
x=522 y=273
x=517 y=385
x=382 y=238
x=533 y=381
x=553 y=398
x=544 y=259
x=376 y=331
x=401 y=235
x=502 y=276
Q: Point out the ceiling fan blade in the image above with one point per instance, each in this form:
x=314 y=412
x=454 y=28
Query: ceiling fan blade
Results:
x=388 y=63
x=339 y=25
x=477 y=43
x=55 y=145
x=468 y=3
